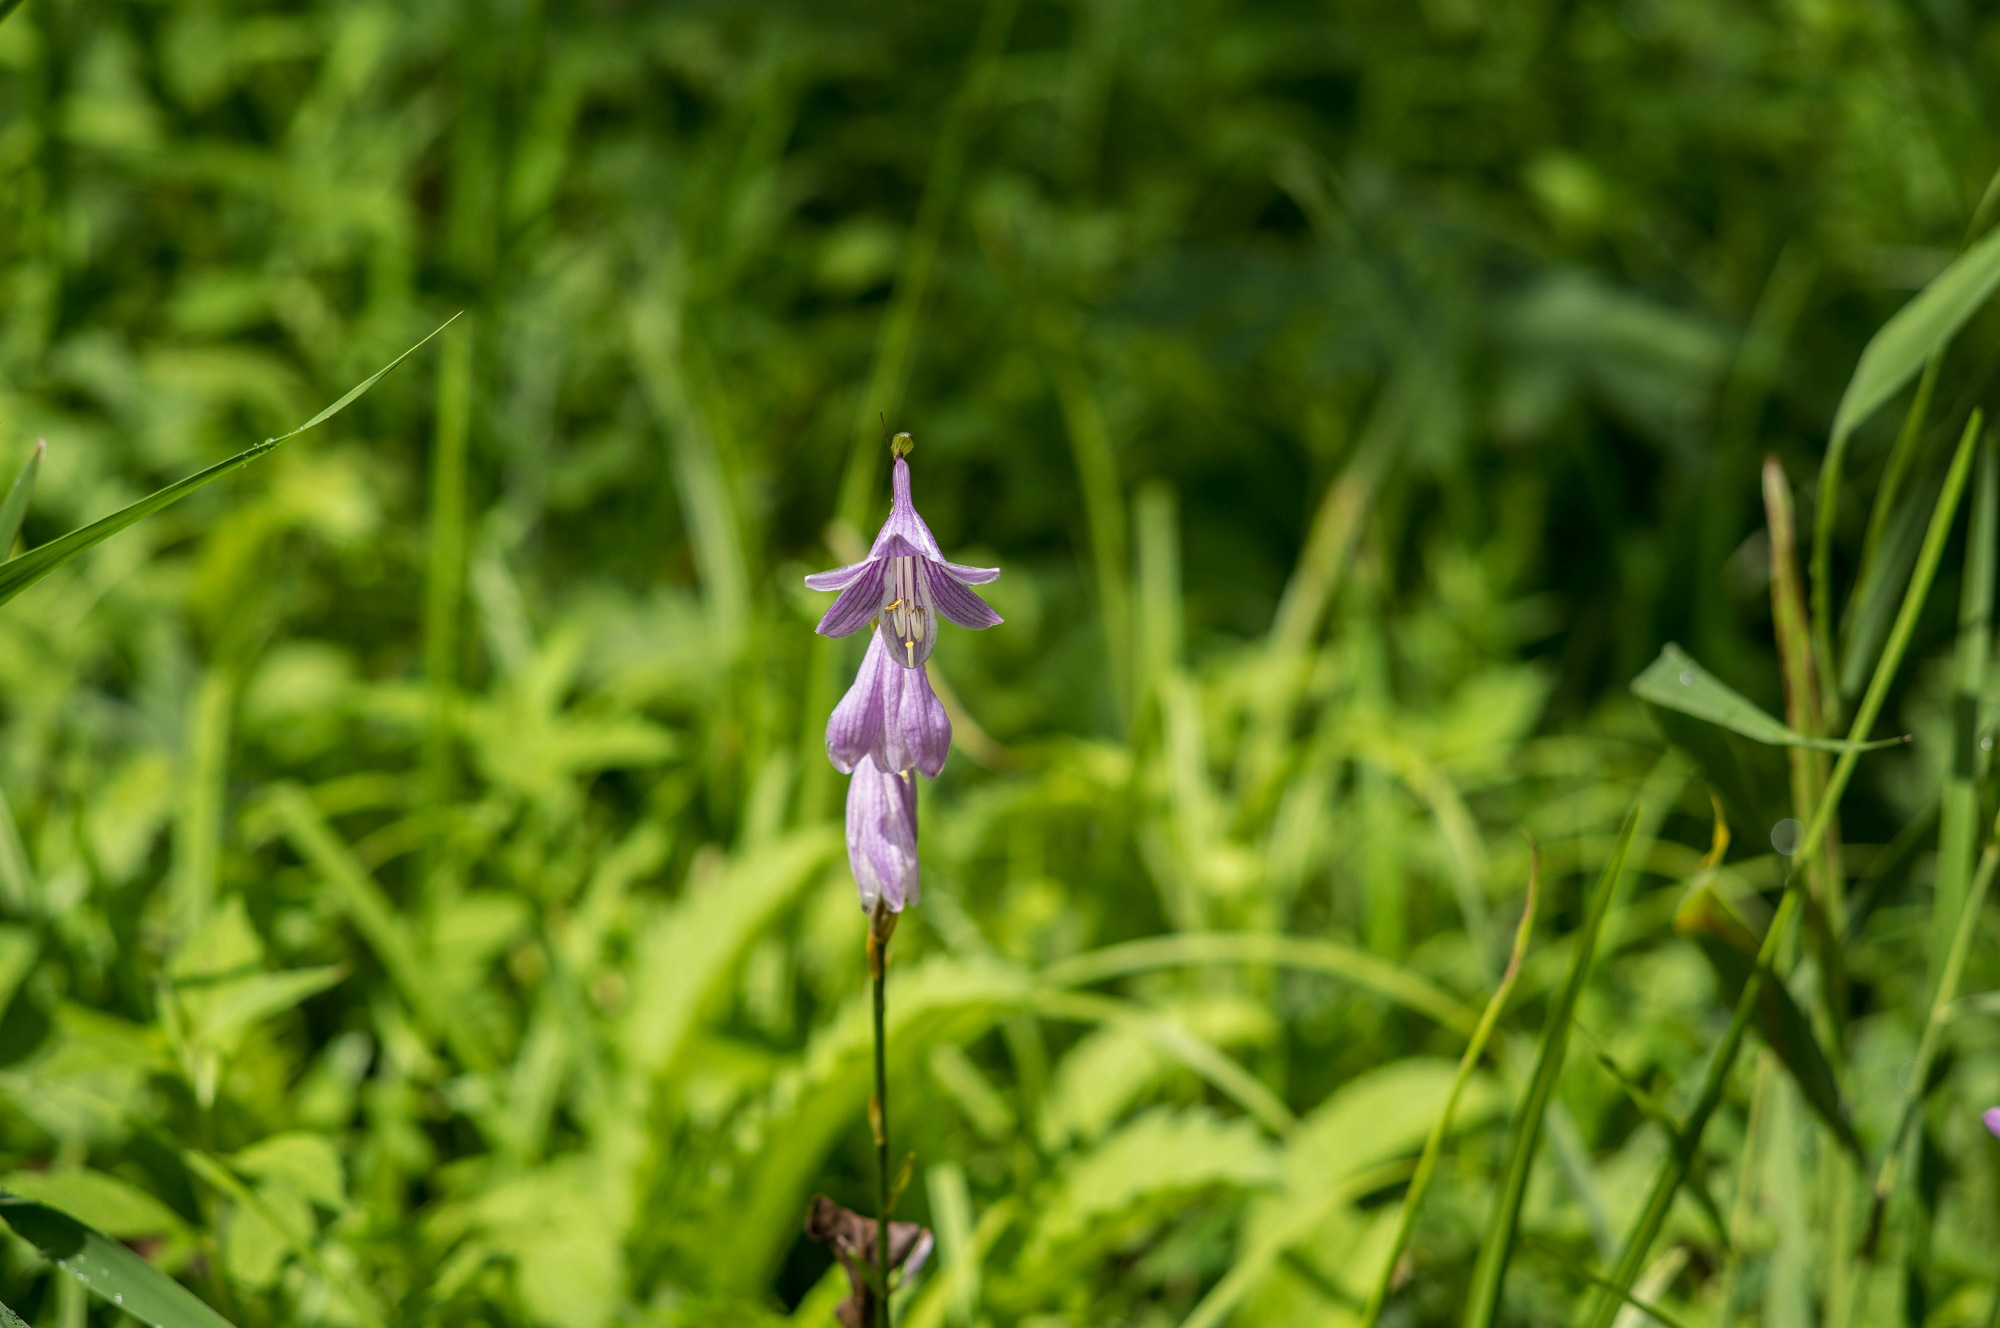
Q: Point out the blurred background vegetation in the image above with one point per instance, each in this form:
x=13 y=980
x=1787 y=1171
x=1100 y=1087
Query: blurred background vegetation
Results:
x=422 y=886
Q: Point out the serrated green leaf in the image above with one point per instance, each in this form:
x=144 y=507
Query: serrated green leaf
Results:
x=1677 y=682
x=107 y=1267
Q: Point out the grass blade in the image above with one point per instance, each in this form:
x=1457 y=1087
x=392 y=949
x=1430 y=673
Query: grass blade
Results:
x=1673 y=1170
x=1919 y=330
x=30 y=567
x=1958 y=805
x=1483 y=1305
x=1940 y=1015
x=1357 y=966
x=1474 y=1049
x=18 y=497
x=107 y=1267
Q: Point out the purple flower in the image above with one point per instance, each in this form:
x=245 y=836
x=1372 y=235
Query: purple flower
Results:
x=889 y=715
x=906 y=582
x=1992 y=1118
x=882 y=836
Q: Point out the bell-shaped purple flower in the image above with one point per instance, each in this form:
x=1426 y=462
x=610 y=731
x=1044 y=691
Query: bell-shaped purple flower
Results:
x=906 y=582
x=889 y=715
x=882 y=836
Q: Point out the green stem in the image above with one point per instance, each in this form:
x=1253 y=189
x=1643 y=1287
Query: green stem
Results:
x=878 y=972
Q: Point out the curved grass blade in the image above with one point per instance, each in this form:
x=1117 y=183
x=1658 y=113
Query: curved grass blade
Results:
x=1357 y=966
x=1474 y=1049
x=1483 y=1304
x=1730 y=947
x=107 y=1267
x=1940 y=1015
x=1673 y=1170
x=1677 y=682
x=16 y=506
x=1916 y=333
x=30 y=567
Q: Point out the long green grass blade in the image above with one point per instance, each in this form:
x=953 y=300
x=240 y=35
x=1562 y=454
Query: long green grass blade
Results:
x=1489 y=1018
x=1958 y=804
x=107 y=1267
x=30 y=567
x=1673 y=1169
x=1309 y=954
x=19 y=494
x=1918 y=331
x=1496 y=1248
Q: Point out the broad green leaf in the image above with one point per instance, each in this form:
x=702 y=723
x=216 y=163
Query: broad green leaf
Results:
x=30 y=567
x=18 y=496
x=107 y=1267
x=299 y=1160
x=1161 y=1153
x=1677 y=682
x=1899 y=348
x=111 y=1205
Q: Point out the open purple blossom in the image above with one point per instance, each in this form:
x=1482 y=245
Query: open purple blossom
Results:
x=882 y=836
x=1992 y=1118
x=889 y=715
x=906 y=582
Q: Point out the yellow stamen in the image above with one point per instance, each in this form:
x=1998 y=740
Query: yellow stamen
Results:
x=910 y=650
x=892 y=607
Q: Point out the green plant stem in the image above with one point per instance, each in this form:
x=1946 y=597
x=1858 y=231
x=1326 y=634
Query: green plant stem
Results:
x=878 y=973
x=1940 y=1015
x=1482 y=1304
x=1427 y=1161
x=1667 y=1181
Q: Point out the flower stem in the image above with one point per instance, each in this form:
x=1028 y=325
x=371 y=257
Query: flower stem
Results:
x=880 y=925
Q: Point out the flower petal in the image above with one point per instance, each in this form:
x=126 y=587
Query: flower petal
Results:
x=882 y=837
x=903 y=522
x=855 y=730
x=916 y=729
x=839 y=578
x=860 y=601
x=954 y=602
x=966 y=576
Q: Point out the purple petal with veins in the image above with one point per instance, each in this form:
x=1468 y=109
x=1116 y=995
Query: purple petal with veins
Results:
x=882 y=836
x=858 y=603
x=906 y=583
x=890 y=716
x=954 y=602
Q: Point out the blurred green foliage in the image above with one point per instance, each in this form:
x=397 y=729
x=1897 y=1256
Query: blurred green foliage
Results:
x=423 y=898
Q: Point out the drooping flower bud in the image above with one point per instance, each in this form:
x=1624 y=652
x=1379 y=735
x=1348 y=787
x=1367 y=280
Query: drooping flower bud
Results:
x=890 y=714
x=882 y=836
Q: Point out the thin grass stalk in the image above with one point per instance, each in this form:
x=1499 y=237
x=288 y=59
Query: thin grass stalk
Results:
x=1427 y=1161
x=1673 y=1170
x=1822 y=551
x=444 y=581
x=1483 y=1304
x=1958 y=804
x=1940 y=1015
